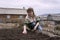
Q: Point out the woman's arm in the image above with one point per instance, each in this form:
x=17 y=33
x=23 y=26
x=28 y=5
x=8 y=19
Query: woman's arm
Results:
x=36 y=26
x=24 y=30
x=38 y=22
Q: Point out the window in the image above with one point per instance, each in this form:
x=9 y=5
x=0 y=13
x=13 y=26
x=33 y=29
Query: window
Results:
x=8 y=16
x=20 y=17
x=1 y=21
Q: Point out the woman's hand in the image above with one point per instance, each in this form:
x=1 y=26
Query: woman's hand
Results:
x=24 y=32
x=34 y=28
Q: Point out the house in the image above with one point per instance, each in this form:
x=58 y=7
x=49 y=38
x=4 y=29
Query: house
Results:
x=50 y=21
x=12 y=15
x=54 y=17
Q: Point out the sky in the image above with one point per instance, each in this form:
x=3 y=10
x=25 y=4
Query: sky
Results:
x=40 y=6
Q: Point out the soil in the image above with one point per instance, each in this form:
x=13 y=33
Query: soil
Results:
x=16 y=34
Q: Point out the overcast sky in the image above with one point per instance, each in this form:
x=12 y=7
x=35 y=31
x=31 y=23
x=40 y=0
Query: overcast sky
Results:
x=40 y=6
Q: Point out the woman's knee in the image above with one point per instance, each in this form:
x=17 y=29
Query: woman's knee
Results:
x=40 y=28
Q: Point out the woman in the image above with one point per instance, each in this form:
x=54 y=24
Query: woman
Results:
x=31 y=21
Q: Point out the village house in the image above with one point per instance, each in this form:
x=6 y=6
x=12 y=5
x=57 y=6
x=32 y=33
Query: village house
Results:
x=54 y=18
x=12 y=15
x=50 y=21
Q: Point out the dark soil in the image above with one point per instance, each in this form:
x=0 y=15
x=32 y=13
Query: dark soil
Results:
x=16 y=34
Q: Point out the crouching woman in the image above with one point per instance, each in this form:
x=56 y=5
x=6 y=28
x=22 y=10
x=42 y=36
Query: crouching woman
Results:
x=31 y=22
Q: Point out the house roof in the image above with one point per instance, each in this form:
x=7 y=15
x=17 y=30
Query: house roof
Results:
x=12 y=11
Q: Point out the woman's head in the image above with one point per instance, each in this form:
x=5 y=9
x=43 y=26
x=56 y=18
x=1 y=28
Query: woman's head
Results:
x=30 y=12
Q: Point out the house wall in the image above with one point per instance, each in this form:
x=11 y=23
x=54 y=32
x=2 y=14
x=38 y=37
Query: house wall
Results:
x=14 y=18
